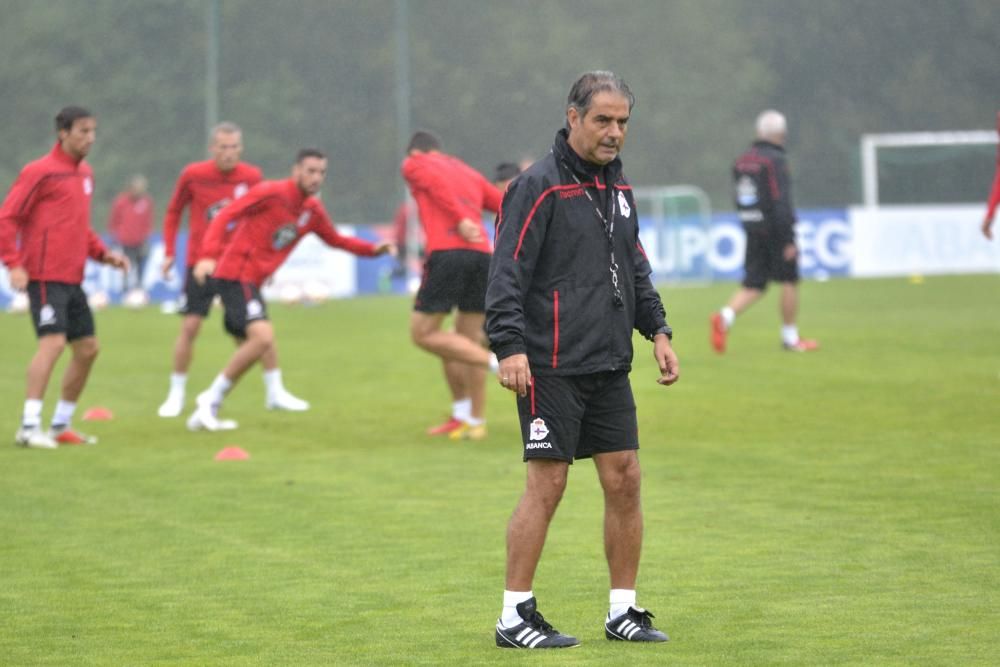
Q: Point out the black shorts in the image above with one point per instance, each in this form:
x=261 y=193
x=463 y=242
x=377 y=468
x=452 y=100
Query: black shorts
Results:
x=454 y=278
x=765 y=261
x=196 y=299
x=60 y=308
x=569 y=417
x=243 y=305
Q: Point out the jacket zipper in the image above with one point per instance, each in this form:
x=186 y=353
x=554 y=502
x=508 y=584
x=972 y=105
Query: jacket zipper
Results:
x=555 y=328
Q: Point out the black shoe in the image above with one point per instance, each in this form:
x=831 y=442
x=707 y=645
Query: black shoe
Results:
x=634 y=626
x=533 y=633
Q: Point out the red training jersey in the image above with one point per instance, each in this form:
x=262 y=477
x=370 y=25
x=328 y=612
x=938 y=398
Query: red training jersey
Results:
x=274 y=216
x=48 y=206
x=446 y=191
x=204 y=188
x=131 y=219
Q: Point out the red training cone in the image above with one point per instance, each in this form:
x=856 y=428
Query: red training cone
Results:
x=232 y=454
x=98 y=414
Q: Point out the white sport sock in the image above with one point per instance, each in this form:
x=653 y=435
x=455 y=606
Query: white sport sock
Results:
x=790 y=334
x=220 y=386
x=461 y=409
x=509 y=617
x=178 y=383
x=63 y=414
x=272 y=381
x=475 y=421
x=621 y=599
x=32 y=415
x=728 y=316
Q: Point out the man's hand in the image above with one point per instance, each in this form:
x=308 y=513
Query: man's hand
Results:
x=514 y=374
x=117 y=260
x=167 y=267
x=790 y=252
x=469 y=230
x=666 y=359
x=203 y=269
x=385 y=247
x=987 y=224
x=19 y=278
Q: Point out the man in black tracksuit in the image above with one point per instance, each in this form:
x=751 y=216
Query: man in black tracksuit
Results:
x=569 y=282
x=764 y=201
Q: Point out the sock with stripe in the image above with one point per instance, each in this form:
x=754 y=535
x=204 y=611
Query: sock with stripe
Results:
x=621 y=599
x=32 y=415
x=63 y=415
x=509 y=617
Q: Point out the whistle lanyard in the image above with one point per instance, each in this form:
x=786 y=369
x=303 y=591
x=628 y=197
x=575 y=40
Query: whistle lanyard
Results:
x=609 y=232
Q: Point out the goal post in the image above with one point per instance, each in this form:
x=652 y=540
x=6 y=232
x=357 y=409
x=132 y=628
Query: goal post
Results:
x=872 y=143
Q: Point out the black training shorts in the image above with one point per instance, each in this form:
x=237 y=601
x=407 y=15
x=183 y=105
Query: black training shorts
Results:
x=569 y=417
x=196 y=299
x=60 y=308
x=453 y=278
x=765 y=261
x=243 y=305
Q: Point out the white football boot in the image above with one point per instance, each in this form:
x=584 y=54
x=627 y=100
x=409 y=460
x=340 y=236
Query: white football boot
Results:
x=283 y=400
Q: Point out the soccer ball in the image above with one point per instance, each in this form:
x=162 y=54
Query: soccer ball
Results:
x=135 y=298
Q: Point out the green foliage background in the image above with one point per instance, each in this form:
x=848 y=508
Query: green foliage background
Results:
x=491 y=78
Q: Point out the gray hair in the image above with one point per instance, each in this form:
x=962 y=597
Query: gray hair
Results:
x=226 y=127
x=581 y=95
x=771 y=124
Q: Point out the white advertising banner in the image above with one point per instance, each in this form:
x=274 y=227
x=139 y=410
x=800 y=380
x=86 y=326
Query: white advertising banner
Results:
x=906 y=240
x=314 y=271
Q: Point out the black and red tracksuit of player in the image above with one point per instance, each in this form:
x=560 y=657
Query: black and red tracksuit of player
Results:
x=206 y=190
x=550 y=292
x=273 y=216
x=446 y=191
x=48 y=207
x=763 y=191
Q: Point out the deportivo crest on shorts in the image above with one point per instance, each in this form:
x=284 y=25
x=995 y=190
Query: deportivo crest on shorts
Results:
x=46 y=316
x=286 y=234
x=254 y=309
x=537 y=429
x=623 y=205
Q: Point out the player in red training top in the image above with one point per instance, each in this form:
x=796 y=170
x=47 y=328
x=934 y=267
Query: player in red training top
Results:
x=205 y=187
x=275 y=216
x=994 y=200
x=48 y=207
x=450 y=197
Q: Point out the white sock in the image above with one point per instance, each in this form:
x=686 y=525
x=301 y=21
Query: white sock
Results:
x=461 y=409
x=178 y=383
x=63 y=414
x=728 y=316
x=475 y=421
x=790 y=334
x=32 y=415
x=220 y=386
x=272 y=381
x=511 y=599
x=621 y=599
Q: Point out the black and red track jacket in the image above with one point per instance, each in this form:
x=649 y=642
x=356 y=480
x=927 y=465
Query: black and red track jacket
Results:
x=763 y=191
x=48 y=207
x=550 y=293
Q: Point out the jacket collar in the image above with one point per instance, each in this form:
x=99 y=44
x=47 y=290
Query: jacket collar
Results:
x=293 y=192
x=585 y=171
x=64 y=157
x=760 y=143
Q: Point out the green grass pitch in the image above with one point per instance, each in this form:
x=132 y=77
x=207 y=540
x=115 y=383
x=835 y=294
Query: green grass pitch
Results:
x=834 y=508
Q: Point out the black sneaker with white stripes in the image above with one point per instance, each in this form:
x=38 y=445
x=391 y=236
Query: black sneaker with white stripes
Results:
x=535 y=632
x=634 y=626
